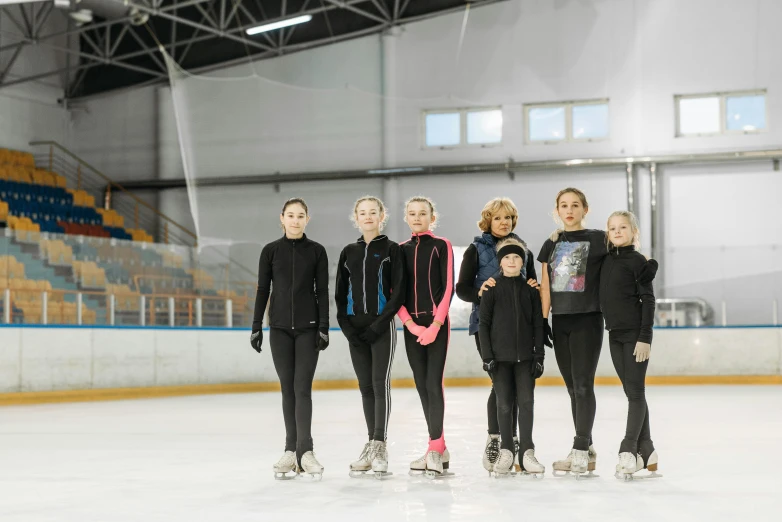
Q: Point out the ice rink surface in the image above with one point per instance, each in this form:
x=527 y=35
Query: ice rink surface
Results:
x=209 y=458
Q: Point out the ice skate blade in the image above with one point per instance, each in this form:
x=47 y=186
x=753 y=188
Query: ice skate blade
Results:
x=584 y=476
x=285 y=476
x=434 y=476
x=369 y=474
x=560 y=472
x=496 y=475
x=629 y=477
x=527 y=475
x=311 y=477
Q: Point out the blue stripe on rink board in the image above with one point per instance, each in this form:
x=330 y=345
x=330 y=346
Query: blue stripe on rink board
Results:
x=333 y=328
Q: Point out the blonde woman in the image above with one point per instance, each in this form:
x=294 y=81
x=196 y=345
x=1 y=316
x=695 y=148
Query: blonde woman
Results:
x=479 y=271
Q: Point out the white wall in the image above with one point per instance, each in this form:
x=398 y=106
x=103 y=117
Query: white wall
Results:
x=30 y=111
x=116 y=358
x=116 y=134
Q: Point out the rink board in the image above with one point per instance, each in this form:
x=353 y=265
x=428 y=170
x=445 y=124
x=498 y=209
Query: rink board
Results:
x=51 y=364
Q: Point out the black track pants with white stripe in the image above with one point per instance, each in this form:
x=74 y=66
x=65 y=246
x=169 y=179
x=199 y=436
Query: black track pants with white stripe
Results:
x=372 y=365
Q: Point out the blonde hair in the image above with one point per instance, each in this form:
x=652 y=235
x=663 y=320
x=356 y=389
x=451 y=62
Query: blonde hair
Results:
x=633 y=227
x=555 y=214
x=432 y=209
x=492 y=208
x=510 y=241
x=380 y=205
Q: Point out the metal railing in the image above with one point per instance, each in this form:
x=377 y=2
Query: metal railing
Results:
x=84 y=176
x=129 y=308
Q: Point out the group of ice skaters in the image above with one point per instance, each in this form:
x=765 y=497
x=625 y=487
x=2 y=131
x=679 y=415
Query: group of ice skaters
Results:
x=591 y=280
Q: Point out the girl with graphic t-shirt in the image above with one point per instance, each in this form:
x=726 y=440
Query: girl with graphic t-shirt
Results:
x=571 y=259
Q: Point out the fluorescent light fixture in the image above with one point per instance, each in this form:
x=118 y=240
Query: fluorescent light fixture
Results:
x=277 y=25
x=8 y=2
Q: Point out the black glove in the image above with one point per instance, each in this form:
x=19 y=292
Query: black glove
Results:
x=369 y=336
x=536 y=370
x=256 y=340
x=548 y=336
x=323 y=339
x=489 y=365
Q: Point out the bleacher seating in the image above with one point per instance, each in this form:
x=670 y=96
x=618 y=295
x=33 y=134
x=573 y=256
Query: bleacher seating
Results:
x=43 y=198
x=34 y=205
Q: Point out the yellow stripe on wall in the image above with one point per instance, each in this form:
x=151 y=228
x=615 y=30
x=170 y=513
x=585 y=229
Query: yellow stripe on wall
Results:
x=114 y=394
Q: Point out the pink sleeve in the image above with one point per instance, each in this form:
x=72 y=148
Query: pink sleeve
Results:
x=403 y=315
x=445 y=303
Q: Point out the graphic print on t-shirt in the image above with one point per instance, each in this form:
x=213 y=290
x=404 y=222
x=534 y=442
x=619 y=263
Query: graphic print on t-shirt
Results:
x=568 y=266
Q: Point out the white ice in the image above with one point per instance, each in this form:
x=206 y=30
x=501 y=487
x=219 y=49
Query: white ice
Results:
x=209 y=458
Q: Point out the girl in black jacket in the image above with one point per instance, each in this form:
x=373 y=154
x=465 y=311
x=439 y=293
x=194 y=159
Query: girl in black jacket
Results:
x=627 y=301
x=370 y=290
x=511 y=337
x=297 y=267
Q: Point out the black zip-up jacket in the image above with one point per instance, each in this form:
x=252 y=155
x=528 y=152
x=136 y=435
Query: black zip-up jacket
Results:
x=298 y=269
x=511 y=321
x=429 y=276
x=626 y=293
x=370 y=284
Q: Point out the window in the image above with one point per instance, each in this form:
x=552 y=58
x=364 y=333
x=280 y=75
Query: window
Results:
x=462 y=127
x=720 y=113
x=443 y=129
x=566 y=121
x=484 y=127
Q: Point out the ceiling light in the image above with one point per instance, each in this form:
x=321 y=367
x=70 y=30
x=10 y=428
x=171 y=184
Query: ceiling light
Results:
x=278 y=25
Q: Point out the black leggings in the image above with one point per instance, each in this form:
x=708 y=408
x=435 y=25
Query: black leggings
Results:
x=513 y=385
x=372 y=365
x=632 y=374
x=295 y=356
x=428 y=365
x=491 y=405
x=578 y=339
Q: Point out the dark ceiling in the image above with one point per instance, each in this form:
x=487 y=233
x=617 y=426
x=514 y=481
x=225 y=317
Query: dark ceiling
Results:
x=195 y=29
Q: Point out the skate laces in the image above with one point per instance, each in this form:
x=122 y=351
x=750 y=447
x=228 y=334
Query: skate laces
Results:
x=493 y=449
x=367 y=452
x=381 y=453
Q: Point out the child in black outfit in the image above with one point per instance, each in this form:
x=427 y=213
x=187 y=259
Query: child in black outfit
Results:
x=511 y=339
x=627 y=302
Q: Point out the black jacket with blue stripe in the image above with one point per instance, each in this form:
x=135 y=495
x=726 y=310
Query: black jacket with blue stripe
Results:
x=370 y=283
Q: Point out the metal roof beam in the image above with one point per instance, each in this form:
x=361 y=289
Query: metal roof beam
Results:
x=349 y=7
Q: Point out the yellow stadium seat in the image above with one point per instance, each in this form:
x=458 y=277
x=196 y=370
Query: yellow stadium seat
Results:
x=25 y=175
x=3 y=211
x=54 y=312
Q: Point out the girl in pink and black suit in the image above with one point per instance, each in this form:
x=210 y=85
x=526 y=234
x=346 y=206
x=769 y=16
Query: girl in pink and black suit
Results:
x=430 y=288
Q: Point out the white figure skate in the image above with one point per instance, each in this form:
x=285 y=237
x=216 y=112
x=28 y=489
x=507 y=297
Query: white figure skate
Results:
x=504 y=464
x=491 y=453
x=530 y=465
x=286 y=465
x=311 y=466
x=380 y=460
x=623 y=469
